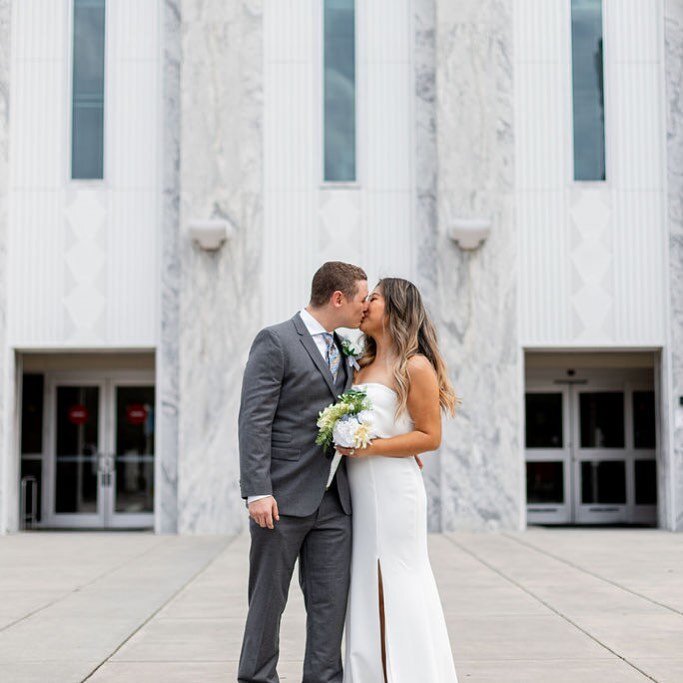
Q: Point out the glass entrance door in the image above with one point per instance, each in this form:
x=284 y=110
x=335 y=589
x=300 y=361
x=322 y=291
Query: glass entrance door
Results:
x=548 y=455
x=100 y=472
x=132 y=454
x=600 y=456
x=615 y=454
x=591 y=453
x=76 y=470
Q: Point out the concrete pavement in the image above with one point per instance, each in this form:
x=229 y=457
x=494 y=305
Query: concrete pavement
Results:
x=560 y=605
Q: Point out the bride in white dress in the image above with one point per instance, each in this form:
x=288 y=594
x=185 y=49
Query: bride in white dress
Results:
x=395 y=627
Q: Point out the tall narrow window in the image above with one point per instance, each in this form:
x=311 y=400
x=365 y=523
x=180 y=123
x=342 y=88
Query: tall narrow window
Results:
x=588 y=92
x=87 y=128
x=340 y=91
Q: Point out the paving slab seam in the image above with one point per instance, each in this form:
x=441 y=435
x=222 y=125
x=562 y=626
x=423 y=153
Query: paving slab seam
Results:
x=571 y=564
x=573 y=659
x=547 y=605
x=125 y=662
x=68 y=594
x=177 y=592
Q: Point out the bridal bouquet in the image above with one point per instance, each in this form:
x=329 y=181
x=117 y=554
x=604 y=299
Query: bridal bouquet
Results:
x=346 y=423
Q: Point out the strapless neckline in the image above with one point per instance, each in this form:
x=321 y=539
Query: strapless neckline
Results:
x=376 y=384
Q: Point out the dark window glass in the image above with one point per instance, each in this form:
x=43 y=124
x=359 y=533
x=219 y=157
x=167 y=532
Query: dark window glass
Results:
x=77 y=444
x=544 y=482
x=603 y=481
x=340 y=91
x=87 y=136
x=602 y=419
x=588 y=90
x=32 y=414
x=543 y=420
x=644 y=419
x=135 y=449
x=646 y=482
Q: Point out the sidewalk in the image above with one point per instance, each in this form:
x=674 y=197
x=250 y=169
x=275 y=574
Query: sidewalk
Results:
x=561 y=605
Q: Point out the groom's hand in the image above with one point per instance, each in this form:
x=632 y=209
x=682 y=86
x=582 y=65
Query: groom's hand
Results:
x=264 y=512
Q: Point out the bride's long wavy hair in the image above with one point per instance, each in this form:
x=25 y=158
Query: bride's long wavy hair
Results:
x=412 y=332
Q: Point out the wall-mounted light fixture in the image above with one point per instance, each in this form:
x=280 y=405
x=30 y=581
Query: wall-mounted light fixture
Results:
x=469 y=233
x=211 y=234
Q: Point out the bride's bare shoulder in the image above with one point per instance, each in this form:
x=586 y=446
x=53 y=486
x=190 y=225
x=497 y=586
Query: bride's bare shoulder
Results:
x=420 y=369
x=419 y=363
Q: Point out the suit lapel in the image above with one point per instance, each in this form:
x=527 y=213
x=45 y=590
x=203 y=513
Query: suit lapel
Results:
x=344 y=361
x=349 y=375
x=314 y=353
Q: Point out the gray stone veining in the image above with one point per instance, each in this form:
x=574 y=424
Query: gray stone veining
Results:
x=673 y=30
x=220 y=310
x=167 y=357
x=5 y=366
x=480 y=482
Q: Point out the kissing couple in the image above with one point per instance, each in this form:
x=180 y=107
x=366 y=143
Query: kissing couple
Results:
x=361 y=539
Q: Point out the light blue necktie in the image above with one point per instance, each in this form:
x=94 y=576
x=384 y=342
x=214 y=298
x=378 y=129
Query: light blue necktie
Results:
x=332 y=356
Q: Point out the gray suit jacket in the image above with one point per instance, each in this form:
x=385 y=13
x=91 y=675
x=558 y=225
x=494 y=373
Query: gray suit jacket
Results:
x=286 y=384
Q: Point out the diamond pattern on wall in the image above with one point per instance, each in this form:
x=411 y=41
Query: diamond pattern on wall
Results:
x=85 y=213
x=85 y=305
x=592 y=297
x=85 y=263
x=339 y=222
x=86 y=259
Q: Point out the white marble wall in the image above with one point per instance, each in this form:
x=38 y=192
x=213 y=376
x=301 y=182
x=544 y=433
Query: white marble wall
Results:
x=481 y=455
x=426 y=166
x=167 y=354
x=464 y=162
x=5 y=370
x=673 y=360
x=220 y=302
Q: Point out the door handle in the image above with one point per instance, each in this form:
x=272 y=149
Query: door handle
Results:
x=110 y=467
x=105 y=463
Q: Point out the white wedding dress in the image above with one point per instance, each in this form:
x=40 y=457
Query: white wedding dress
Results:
x=390 y=533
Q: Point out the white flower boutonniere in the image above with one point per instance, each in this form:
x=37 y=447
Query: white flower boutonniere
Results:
x=352 y=353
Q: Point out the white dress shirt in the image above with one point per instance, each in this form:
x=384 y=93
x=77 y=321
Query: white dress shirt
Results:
x=316 y=330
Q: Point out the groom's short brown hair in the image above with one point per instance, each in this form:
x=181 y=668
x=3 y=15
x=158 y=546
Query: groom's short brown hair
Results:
x=335 y=276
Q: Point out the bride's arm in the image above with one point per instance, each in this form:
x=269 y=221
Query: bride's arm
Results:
x=424 y=409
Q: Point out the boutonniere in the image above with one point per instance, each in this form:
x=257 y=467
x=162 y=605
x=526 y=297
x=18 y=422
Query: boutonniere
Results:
x=352 y=353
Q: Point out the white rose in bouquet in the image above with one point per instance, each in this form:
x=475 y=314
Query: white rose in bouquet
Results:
x=347 y=423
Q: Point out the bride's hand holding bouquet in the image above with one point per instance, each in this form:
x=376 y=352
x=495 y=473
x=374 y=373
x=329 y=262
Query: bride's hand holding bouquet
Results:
x=346 y=425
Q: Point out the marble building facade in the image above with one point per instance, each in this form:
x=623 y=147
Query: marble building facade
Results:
x=563 y=329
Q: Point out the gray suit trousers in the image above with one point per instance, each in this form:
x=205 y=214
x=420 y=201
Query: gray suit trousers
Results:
x=322 y=542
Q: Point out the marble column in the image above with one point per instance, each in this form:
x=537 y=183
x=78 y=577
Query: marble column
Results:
x=167 y=356
x=481 y=454
x=221 y=152
x=672 y=517
x=5 y=370
x=426 y=165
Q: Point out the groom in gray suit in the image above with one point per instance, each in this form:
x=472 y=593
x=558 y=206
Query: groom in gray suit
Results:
x=295 y=369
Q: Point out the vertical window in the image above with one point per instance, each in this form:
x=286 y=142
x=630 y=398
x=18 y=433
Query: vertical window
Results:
x=588 y=92
x=87 y=132
x=340 y=91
